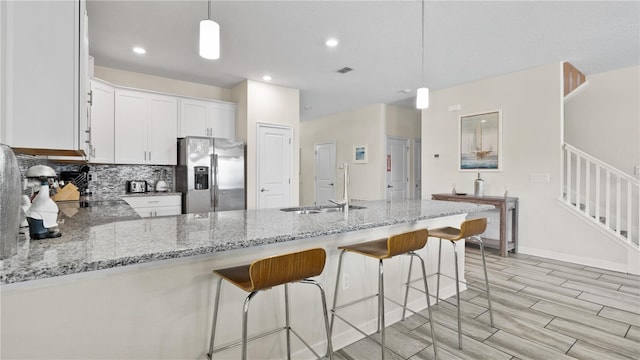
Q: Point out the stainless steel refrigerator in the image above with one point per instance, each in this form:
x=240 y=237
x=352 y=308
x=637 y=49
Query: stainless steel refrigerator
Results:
x=211 y=174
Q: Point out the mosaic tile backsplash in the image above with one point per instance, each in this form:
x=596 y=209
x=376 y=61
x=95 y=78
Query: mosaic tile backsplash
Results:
x=109 y=180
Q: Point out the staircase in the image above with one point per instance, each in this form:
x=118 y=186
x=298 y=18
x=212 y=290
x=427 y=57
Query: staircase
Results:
x=603 y=195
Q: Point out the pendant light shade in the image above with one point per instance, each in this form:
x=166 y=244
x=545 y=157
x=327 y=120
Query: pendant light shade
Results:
x=422 y=98
x=422 y=94
x=209 y=39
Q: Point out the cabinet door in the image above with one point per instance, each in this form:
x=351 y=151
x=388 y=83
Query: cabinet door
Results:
x=84 y=86
x=131 y=114
x=223 y=120
x=102 y=123
x=194 y=115
x=41 y=93
x=162 y=130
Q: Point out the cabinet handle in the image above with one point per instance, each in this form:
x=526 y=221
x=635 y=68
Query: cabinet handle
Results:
x=149 y=155
x=153 y=201
x=90 y=97
x=145 y=156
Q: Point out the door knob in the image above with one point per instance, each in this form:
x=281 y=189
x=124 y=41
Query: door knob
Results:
x=331 y=184
x=263 y=190
x=389 y=186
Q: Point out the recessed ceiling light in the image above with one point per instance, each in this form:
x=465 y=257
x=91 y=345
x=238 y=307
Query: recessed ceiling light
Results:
x=139 y=50
x=332 y=42
x=266 y=78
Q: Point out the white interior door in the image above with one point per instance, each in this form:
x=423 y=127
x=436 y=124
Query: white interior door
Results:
x=325 y=170
x=274 y=166
x=417 y=169
x=397 y=168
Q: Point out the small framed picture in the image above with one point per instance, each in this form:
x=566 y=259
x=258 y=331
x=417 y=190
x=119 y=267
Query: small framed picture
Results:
x=360 y=154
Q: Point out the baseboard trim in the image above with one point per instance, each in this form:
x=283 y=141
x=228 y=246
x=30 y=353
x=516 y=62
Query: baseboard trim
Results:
x=608 y=265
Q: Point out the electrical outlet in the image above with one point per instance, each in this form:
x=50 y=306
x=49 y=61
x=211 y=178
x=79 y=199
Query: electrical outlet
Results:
x=346 y=281
x=92 y=176
x=636 y=169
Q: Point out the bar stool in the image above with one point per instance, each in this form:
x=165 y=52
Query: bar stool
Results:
x=382 y=249
x=468 y=229
x=266 y=273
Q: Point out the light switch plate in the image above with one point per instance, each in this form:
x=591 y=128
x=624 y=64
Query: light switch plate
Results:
x=540 y=177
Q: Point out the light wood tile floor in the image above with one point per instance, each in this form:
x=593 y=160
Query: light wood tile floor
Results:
x=543 y=309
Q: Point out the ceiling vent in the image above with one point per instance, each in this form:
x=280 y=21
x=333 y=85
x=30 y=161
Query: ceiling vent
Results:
x=345 y=70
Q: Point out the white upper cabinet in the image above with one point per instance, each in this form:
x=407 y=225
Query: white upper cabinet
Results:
x=44 y=81
x=207 y=118
x=101 y=122
x=194 y=118
x=145 y=128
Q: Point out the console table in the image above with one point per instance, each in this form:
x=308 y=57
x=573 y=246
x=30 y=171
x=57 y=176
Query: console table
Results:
x=508 y=207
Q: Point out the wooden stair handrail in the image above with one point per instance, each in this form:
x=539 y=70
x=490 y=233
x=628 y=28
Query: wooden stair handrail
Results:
x=573 y=78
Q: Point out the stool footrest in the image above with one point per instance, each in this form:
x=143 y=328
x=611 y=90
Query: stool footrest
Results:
x=349 y=323
x=407 y=308
x=355 y=302
x=254 y=337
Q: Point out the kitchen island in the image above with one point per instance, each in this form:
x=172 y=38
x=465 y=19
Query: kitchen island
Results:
x=143 y=288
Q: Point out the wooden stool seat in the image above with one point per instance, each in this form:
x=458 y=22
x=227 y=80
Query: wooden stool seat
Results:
x=382 y=249
x=276 y=270
x=267 y=273
x=389 y=247
x=467 y=229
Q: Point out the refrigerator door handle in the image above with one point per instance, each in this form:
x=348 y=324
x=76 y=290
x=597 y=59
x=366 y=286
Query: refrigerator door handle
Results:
x=215 y=182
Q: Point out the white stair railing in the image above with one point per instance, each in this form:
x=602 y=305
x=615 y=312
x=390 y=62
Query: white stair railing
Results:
x=605 y=195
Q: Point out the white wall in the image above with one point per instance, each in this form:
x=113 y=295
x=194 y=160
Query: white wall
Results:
x=267 y=104
x=402 y=122
x=161 y=84
x=604 y=118
x=364 y=126
x=532 y=110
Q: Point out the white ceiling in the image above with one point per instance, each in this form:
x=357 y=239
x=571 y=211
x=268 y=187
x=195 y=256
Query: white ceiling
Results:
x=464 y=41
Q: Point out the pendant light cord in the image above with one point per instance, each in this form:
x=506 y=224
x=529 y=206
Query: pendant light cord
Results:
x=422 y=48
x=209 y=11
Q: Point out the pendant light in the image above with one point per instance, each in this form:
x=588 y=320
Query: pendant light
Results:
x=422 y=94
x=209 y=37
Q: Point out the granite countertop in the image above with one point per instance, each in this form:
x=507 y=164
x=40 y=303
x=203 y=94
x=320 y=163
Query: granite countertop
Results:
x=109 y=236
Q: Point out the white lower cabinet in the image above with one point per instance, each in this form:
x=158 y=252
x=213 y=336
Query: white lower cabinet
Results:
x=151 y=206
x=145 y=128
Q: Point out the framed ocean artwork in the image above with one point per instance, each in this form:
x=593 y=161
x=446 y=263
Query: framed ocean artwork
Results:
x=480 y=141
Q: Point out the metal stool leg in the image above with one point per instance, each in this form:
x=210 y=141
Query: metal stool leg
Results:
x=438 y=283
x=286 y=319
x=406 y=293
x=381 y=305
x=431 y=322
x=215 y=319
x=486 y=278
x=455 y=256
x=324 y=312
x=245 y=317
x=335 y=293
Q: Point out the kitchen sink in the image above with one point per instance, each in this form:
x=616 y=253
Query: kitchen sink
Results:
x=319 y=209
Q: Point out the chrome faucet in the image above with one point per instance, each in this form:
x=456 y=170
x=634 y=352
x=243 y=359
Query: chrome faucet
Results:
x=345 y=192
